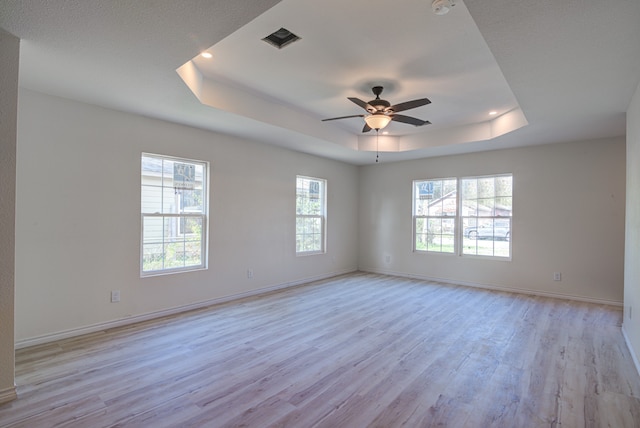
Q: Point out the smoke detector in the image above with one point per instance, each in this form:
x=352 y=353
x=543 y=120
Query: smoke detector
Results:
x=442 y=7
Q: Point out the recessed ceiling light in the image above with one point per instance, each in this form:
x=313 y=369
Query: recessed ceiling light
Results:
x=385 y=132
x=206 y=55
x=493 y=113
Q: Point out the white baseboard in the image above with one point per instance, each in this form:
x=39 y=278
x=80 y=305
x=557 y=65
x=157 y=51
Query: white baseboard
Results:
x=66 y=334
x=631 y=351
x=496 y=287
x=8 y=394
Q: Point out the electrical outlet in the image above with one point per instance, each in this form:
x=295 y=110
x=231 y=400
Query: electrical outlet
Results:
x=557 y=276
x=250 y=273
x=115 y=296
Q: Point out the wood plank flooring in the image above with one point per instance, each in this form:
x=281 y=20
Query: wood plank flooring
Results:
x=360 y=350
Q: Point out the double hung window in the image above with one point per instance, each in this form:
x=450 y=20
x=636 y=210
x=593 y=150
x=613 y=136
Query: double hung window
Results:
x=174 y=214
x=311 y=210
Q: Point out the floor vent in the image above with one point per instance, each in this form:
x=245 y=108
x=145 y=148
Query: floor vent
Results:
x=281 y=38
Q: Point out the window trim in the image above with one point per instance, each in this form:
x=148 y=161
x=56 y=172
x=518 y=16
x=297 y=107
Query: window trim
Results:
x=322 y=217
x=204 y=216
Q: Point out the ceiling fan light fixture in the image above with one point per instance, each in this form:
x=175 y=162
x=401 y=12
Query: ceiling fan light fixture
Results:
x=377 y=121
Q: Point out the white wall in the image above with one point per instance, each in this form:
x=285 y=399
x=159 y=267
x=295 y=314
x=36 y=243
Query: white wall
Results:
x=78 y=218
x=631 y=327
x=568 y=217
x=9 y=52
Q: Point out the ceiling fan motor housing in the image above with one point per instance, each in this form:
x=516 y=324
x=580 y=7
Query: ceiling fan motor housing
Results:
x=379 y=104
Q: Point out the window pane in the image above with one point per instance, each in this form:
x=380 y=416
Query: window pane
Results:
x=504 y=186
x=421 y=239
x=470 y=207
x=486 y=207
x=503 y=206
x=151 y=199
x=169 y=199
x=152 y=257
x=469 y=189
x=167 y=173
x=193 y=252
x=152 y=230
x=486 y=187
x=435 y=208
x=190 y=227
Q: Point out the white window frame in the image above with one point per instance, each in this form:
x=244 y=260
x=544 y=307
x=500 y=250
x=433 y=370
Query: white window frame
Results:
x=199 y=216
x=321 y=216
x=426 y=217
x=487 y=218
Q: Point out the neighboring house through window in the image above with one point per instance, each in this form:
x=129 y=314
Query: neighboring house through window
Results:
x=174 y=214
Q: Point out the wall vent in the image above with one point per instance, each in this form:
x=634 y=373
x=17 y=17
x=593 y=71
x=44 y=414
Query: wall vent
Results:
x=281 y=38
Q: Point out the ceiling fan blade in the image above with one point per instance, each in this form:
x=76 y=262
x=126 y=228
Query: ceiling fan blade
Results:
x=362 y=104
x=366 y=128
x=410 y=120
x=408 y=105
x=343 y=117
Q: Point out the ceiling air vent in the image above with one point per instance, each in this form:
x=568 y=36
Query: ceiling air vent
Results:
x=281 y=38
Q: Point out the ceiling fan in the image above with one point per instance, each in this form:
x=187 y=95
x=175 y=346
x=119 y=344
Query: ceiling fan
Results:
x=381 y=112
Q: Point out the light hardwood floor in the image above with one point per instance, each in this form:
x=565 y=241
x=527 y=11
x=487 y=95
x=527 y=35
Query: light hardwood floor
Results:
x=354 y=351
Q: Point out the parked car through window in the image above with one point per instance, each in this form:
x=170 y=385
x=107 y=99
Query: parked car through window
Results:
x=492 y=229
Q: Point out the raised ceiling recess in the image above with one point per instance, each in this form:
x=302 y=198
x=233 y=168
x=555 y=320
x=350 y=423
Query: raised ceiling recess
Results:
x=349 y=48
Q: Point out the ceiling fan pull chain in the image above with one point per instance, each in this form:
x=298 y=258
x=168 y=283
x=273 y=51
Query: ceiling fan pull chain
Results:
x=377 y=146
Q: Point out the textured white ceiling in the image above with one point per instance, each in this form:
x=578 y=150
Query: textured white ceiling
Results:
x=571 y=65
x=347 y=48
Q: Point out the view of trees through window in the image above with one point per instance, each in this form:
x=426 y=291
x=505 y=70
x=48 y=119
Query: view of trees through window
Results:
x=173 y=208
x=310 y=215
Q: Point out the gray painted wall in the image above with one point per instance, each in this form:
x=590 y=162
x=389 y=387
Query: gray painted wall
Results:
x=9 y=52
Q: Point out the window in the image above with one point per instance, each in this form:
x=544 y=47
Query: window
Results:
x=174 y=214
x=486 y=205
x=479 y=219
x=310 y=215
x=434 y=215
